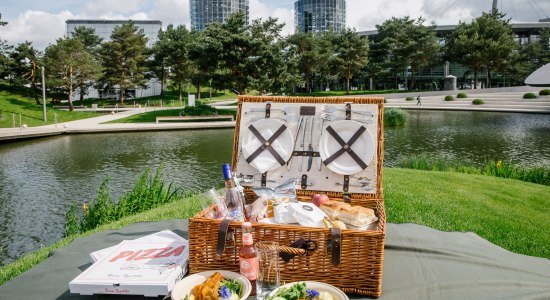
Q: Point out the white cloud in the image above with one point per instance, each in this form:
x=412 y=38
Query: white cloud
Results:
x=171 y=12
x=37 y=26
x=259 y=9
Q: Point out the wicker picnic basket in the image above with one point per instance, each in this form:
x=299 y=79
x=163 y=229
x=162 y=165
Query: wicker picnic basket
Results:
x=350 y=259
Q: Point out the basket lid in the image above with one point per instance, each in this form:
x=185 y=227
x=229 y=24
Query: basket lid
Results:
x=331 y=145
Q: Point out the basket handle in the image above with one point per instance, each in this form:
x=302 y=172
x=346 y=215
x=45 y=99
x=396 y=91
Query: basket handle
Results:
x=283 y=249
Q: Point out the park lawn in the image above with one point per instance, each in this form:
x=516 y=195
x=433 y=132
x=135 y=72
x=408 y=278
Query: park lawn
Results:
x=509 y=213
x=351 y=93
x=151 y=116
x=15 y=101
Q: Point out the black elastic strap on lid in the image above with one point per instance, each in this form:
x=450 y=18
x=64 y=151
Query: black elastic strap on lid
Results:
x=346 y=147
x=266 y=144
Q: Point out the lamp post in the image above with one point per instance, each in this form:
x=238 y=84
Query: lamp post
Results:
x=43 y=96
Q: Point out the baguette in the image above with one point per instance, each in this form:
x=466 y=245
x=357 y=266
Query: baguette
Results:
x=332 y=208
x=356 y=215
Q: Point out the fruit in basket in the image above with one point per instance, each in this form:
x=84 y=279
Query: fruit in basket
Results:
x=319 y=199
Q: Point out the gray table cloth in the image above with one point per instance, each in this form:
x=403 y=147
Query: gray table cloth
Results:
x=419 y=263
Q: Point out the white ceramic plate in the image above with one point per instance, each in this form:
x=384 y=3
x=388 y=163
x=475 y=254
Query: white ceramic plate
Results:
x=363 y=147
x=336 y=293
x=186 y=285
x=283 y=144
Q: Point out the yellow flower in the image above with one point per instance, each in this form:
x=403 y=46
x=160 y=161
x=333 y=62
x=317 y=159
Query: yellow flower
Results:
x=85 y=207
x=499 y=164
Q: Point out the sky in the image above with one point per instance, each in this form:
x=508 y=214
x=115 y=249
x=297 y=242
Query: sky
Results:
x=43 y=21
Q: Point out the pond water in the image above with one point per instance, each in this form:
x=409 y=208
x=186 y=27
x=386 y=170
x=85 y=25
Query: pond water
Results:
x=40 y=178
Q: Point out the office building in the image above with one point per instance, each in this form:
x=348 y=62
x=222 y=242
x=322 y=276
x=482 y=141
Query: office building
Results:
x=204 y=12
x=104 y=29
x=320 y=15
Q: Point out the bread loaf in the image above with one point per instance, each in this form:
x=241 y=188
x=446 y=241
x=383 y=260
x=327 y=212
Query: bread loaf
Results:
x=331 y=208
x=357 y=215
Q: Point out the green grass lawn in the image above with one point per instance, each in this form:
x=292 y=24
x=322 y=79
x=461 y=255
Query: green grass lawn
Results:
x=151 y=116
x=343 y=93
x=18 y=101
x=509 y=213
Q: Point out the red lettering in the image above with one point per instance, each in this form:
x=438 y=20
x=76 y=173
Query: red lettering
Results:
x=177 y=251
x=162 y=250
x=121 y=255
x=134 y=255
x=145 y=254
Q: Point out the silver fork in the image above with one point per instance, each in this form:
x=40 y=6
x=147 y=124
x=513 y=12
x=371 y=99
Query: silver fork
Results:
x=332 y=117
x=286 y=110
x=331 y=109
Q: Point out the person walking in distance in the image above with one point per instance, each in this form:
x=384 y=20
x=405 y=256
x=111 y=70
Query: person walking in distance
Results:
x=418 y=100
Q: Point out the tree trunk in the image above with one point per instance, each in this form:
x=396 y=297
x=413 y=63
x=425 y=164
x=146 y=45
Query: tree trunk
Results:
x=405 y=75
x=347 y=84
x=198 y=91
x=412 y=79
x=179 y=90
x=488 y=78
x=34 y=95
x=307 y=83
x=162 y=84
x=70 y=75
x=82 y=91
x=475 y=80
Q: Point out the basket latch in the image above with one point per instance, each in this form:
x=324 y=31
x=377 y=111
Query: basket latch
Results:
x=223 y=236
x=334 y=245
x=298 y=247
x=303 y=182
x=268 y=110
x=348 y=111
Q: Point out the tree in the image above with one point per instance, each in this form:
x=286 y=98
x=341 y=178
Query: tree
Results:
x=4 y=53
x=403 y=43
x=25 y=67
x=206 y=54
x=351 y=54
x=487 y=42
x=175 y=43
x=307 y=46
x=123 y=59
x=68 y=63
x=158 y=64
x=91 y=42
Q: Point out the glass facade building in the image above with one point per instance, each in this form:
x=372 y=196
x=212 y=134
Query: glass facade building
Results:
x=320 y=15
x=104 y=28
x=204 y=12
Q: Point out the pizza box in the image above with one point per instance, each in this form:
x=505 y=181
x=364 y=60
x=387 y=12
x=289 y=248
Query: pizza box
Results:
x=161 y=236
x=135 y=268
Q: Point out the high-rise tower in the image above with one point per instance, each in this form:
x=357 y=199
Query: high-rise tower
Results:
x=320 y=15
x=204 y=12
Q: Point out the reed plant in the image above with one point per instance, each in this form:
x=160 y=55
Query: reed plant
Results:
x=538 y=175
x=150 y=191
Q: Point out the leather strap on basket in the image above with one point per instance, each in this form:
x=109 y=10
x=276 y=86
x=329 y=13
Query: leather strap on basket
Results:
x=268 y=110
x=346 y=147
x=222 y=235
x=266 y=144
x=336 y=245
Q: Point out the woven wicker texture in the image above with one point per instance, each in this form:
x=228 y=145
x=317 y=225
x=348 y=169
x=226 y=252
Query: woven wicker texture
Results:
x=362 y=252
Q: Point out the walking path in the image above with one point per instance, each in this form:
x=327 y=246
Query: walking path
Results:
x=496 y=100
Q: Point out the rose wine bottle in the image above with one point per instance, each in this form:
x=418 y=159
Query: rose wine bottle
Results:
x=248 y=257
x=234 y=195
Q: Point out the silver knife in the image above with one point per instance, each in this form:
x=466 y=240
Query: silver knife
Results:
x=310 y=159
x=289 y=164
x=303 y=145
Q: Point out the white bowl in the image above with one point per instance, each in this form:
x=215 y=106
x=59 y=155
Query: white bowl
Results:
x=184 y=286
x=336 y=293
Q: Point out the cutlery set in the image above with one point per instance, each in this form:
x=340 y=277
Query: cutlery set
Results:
x=308 y=123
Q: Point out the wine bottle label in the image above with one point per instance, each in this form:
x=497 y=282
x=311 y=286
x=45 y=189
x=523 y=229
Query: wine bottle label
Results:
x=247 y=239
x=249 y=267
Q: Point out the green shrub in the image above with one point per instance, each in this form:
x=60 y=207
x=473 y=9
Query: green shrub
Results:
x=545 y=92
x=449 y=98
x=477 y=102
x=529 y=96
x=395 y=117
x=149 y=191
x=200 y=110
x=385 y=100
x=539 y=175
x=409 y=98
x=462 y=95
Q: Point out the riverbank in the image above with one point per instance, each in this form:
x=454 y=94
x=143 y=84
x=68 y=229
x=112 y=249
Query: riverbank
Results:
x=508 y=213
